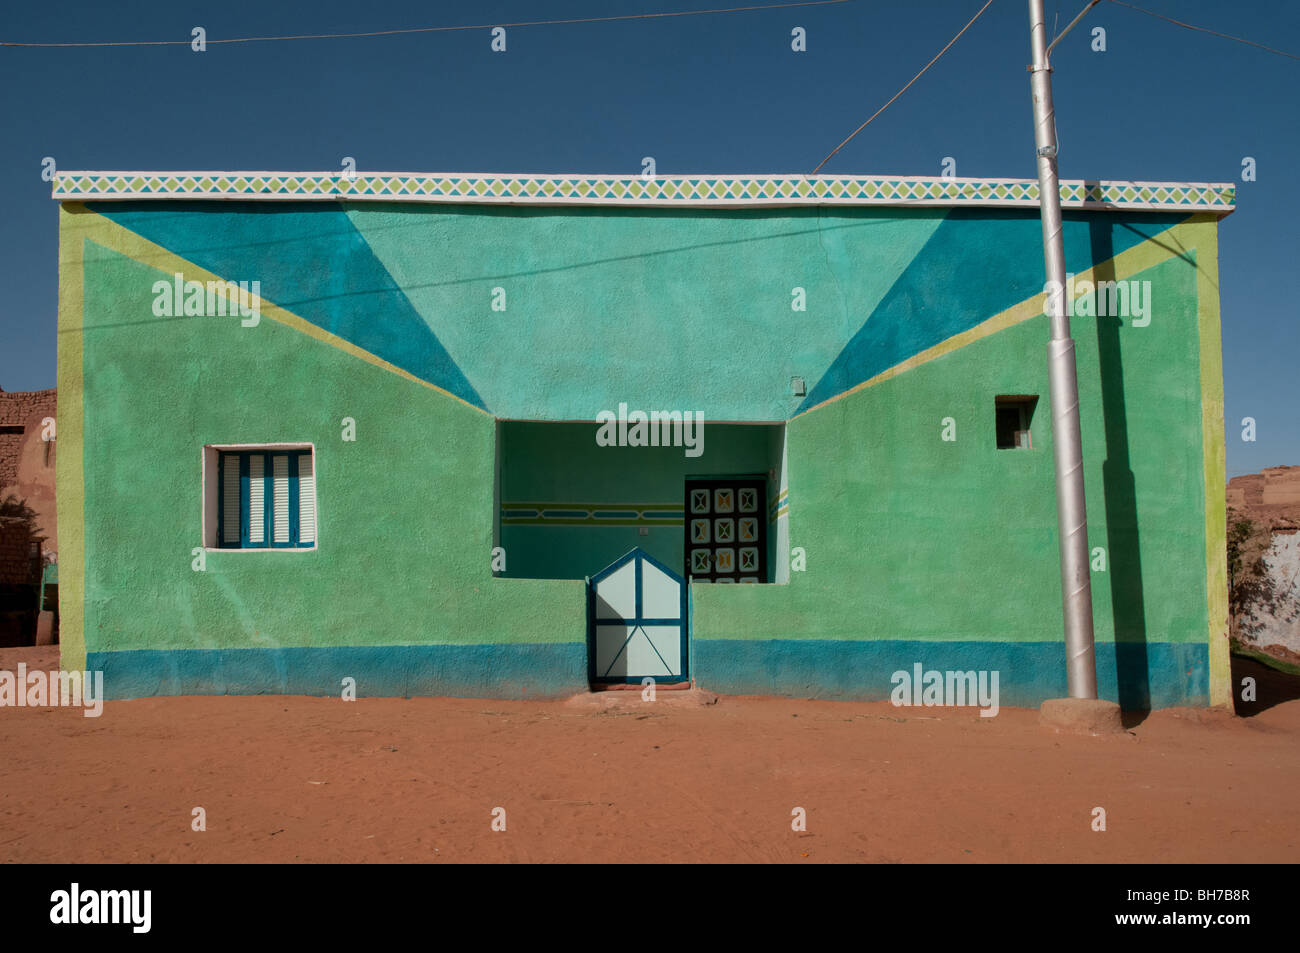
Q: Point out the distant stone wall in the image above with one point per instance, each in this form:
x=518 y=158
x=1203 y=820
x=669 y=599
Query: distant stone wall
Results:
x=1273 y=492
x=18 y=408
x=27 y=460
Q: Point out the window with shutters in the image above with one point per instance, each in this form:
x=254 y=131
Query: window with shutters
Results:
x=265 y=497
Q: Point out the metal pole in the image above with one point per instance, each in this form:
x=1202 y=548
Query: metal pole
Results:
x=1067 y=446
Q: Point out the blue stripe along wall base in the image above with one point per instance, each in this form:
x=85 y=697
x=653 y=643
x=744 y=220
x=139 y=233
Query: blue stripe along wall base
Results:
x=1137 y=675
x=535 y=670
x=1029 y=672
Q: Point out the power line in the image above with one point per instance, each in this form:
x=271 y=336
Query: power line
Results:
x=1073 y=23
x=1201 y=29
x=449 y=29
x=904 y=89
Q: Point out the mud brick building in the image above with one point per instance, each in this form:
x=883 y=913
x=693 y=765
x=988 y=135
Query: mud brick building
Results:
x=28 y=537
x=26 y=457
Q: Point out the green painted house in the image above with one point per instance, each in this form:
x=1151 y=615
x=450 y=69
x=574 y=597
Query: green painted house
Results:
x=519 y=435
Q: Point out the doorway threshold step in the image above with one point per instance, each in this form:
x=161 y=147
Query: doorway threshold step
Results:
x=604 y=701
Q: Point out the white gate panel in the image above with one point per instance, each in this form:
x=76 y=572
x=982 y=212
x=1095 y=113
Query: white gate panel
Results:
x=611 y=656
x=616 y=594
x=637 y=621
x=661 y=594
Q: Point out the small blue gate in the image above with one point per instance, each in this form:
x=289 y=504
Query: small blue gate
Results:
x=636 y=622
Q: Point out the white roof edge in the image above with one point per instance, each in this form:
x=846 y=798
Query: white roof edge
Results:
x=634 y=190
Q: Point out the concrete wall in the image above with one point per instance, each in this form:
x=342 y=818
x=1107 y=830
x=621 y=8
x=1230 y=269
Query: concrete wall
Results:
x=1271 y=501
x=398 y=593
x=916 y=548
x=945 y=552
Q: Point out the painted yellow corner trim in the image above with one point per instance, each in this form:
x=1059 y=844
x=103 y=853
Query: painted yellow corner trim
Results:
x=1203 y=235
x=69 y=474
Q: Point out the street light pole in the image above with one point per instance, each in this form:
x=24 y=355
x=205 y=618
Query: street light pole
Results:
x=1063 y=383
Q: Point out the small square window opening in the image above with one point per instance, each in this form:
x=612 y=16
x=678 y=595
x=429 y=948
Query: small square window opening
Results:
x=1015 y=414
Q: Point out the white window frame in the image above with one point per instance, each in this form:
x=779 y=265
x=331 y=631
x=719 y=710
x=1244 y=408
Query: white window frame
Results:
x=208 y=469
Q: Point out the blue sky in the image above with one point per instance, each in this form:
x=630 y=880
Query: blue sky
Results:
x=702 y=94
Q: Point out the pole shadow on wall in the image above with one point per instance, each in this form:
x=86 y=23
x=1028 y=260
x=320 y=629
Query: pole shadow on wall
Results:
x=1123 y=554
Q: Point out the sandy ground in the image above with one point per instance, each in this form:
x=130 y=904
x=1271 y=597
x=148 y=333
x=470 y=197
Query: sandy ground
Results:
x=287 y=778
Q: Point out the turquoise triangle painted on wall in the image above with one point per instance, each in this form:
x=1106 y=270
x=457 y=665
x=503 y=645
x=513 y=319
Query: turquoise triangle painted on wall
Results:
x=310 y=261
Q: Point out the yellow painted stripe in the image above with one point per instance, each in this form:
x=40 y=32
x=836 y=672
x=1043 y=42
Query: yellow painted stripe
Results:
x=639 y=507
x=531 y=521
x=70 y=500
x=1203 y=236
x=1139 y=258
x=111 y=235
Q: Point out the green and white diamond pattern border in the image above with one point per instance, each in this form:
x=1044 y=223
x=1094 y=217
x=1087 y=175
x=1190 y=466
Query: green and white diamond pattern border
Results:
x=637 y=190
